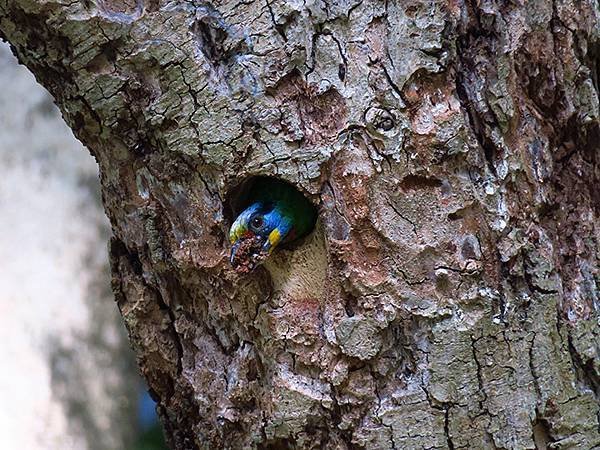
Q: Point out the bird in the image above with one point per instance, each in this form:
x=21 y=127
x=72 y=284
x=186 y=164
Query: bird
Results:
x=275 y=213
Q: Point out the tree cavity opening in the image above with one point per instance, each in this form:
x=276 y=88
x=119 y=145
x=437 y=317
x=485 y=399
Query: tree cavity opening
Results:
x=272 y=192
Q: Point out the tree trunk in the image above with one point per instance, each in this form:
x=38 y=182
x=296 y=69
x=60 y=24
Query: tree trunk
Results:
x=448 y=297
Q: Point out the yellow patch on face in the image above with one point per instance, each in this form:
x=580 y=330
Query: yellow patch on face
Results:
x=274 y=238
x=236 y=233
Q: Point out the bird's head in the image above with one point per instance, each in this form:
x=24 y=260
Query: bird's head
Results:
x=255 y=233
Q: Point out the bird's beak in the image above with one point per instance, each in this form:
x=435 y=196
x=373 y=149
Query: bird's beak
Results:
x=234 y=250
x=249 y=252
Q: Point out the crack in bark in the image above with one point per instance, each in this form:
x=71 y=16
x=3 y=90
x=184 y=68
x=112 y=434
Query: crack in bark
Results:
x=584 y=370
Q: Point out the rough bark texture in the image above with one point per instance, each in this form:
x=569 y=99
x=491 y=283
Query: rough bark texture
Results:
x=449 y=295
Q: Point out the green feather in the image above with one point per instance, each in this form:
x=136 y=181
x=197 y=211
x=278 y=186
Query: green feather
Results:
x=288 y=201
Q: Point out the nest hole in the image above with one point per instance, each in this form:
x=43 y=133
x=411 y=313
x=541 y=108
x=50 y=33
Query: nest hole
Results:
x=255 y=188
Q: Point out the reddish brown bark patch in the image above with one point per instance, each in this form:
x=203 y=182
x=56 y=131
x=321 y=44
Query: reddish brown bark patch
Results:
x=321 y=115
x=305 y=313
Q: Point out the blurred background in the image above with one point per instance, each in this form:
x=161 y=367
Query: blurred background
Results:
x=68 y=378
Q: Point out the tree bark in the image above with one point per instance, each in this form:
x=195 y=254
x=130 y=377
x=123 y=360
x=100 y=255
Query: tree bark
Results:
x=448 y=297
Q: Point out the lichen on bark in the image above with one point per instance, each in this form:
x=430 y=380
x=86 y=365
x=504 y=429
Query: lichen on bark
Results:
x=449 y=295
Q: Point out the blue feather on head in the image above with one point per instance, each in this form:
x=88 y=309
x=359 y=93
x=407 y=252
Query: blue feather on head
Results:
x=256 y=232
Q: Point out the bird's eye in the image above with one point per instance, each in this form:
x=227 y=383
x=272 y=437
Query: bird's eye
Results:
x=257 y=223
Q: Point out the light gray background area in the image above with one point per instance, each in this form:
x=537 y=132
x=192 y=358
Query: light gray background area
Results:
x=67 y=378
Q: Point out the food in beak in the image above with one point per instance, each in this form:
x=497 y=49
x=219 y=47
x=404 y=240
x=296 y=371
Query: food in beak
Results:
x=247 y=253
